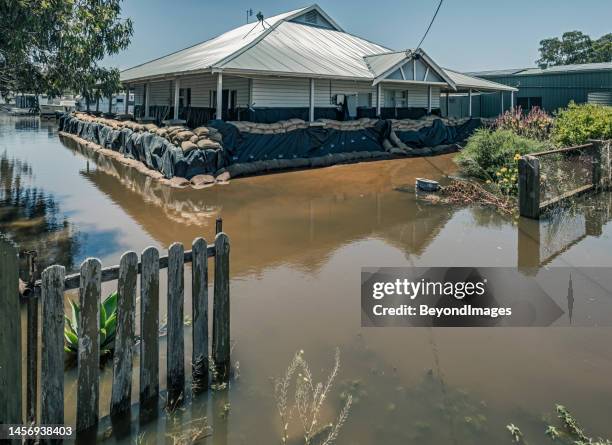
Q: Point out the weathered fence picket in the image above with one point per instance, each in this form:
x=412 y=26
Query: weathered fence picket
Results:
x=124 y=337
x=149 y=326
x=10 y=339
x=31 y=341
x=199 y=304
x=175 y=355
x=221 y=309
x=88 y=386
x=51 y=288
x=52 y=358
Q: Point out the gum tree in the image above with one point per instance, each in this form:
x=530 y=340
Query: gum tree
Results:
x=51 y=46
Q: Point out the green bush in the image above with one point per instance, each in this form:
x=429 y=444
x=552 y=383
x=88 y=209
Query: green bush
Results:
x=487 y=151
x=576 y=124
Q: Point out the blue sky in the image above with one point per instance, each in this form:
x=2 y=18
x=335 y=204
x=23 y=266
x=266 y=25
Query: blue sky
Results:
x=467 y=34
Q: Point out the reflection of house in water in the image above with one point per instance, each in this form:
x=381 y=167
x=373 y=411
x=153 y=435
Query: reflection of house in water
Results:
x=540 y=242
x=298 y=218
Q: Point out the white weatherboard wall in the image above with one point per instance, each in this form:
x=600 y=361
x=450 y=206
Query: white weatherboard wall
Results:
x=417 y=96
x=325 y=89
x=280 y=92
x=162 y=93
x=203 y=85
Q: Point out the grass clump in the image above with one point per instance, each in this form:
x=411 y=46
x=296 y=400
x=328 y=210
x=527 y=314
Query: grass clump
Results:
x=309 y=397
x=488 y=151
x=576 y=124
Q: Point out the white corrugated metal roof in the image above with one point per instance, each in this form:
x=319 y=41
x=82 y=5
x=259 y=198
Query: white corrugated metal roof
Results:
x=302 y=49
x=463 y=81
x=284 y=47
x=205 y=54
x=381 y=63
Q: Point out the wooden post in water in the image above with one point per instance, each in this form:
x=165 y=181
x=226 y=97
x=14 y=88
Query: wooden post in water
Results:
x=88 y=387
x=10 y=339
x=199 y=291
x=218 y=225
x=124 y=339
x=597 y=148
x=32 y=340
x=176 y=342
x=52 y=357
x=149 y=327
x=221 y=309
x=529 y=187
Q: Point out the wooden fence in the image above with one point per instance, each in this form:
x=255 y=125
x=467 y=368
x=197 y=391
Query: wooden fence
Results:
x=50 y=291
x=531 y=201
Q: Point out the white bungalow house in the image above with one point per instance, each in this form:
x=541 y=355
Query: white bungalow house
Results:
x=296 y=64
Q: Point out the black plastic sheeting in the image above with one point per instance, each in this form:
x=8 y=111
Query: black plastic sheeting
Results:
x=246 y=153
x=309 y=142
x=438 y=134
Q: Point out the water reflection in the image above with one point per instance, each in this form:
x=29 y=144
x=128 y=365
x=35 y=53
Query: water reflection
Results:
x=299 y=224
x=32 y=219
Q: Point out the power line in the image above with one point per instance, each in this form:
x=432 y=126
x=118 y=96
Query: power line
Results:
x=430 y=23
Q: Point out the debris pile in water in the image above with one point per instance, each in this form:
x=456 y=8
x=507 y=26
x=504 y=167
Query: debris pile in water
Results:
x=465 y=192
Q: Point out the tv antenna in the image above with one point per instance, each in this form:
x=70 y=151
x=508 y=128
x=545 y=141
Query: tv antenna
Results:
x=249 y=13
x=260 y=21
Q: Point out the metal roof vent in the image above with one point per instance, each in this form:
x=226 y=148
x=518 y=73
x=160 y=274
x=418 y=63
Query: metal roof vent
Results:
x=311 y=17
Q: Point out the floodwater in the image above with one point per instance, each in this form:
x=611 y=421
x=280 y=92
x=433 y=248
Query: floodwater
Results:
x=298 y=242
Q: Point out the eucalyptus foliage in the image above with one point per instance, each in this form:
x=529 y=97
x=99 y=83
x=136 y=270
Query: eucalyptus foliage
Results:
x=51 y=46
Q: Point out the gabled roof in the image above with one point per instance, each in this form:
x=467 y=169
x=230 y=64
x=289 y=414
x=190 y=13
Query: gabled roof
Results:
x=207 y=54
x=381 y=63
x=298 y=49
x=285 y=45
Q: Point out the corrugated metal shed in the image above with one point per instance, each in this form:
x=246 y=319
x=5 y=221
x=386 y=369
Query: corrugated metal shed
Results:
x=551 y=88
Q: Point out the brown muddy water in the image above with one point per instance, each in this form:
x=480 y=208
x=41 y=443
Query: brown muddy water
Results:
x=299 y=240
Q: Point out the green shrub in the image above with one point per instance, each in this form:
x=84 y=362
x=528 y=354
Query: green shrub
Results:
x=535 y=124
x=576 y=124
x=488 y=151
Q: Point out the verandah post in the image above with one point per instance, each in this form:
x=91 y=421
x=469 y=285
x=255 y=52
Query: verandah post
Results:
x=221 y=309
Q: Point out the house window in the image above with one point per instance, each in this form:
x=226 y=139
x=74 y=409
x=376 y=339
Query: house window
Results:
x=184 y=97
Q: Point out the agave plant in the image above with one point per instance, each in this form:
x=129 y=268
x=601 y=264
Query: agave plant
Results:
x=108 y=327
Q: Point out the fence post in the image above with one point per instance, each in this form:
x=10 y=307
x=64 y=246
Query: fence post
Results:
x=124 y=338
x=176 y=342
x=10 y=339
x=199 y=291
x=221 y=309
x=596 y=163
x=52 y=357
x=218 y=225
x=529 y=187
x=149 y=327
x=32 y=340
x=88 y=387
